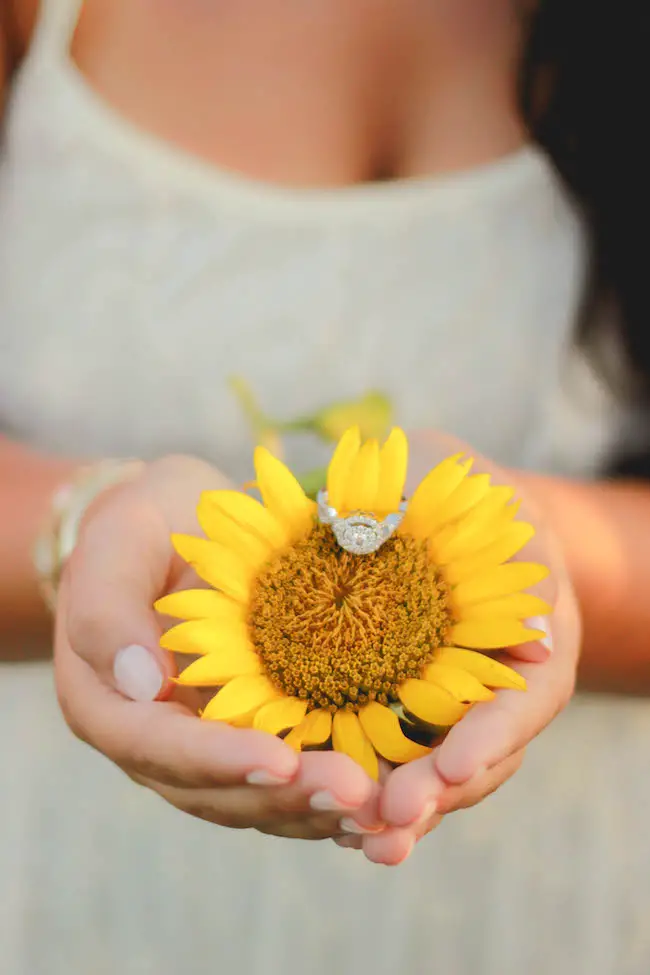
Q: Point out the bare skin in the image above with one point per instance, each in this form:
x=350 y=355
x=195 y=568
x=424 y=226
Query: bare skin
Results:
x=324 y=93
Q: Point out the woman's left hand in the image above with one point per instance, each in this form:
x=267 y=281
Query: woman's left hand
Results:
x=481 y=752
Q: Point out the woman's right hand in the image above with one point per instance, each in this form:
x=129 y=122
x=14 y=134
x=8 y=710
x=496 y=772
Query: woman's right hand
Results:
x=114 y=681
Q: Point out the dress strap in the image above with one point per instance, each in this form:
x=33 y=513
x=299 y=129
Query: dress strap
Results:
x=57 y=21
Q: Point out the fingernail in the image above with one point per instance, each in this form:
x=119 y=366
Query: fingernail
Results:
x=326 y=802
x=348 y=842
x=348 y=825
x=542 y=623
x=428 y=811
x=137 y=674
x=262 y=776
x=411 y=844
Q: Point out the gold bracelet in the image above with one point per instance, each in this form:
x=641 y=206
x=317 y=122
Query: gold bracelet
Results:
x=57 y=540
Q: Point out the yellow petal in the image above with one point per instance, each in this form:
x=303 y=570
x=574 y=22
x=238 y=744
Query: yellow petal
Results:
x=250 y=514
x=219 y=527
x=493 y=634
x=382 y=727
x=220 y=667
x=468 y=494
x=244 y=720
x=499 y=581
x=430 y=704
x=509 y=542
x=349 y=737
x=338 y=472
x=217 y=565
x=433 y=491
x=241 y=696
x=200 y=604
x=489 y=507
x=206 y=636
x=478 y=528
x=490 y=672
x=363 y=481
x=277 y=716
x=393 y=464
x=462 y=686
x=283 y=495
x=314 y=729
x=518 y=606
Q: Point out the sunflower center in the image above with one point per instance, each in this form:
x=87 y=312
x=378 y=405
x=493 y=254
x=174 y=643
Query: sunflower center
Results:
x=340 y=630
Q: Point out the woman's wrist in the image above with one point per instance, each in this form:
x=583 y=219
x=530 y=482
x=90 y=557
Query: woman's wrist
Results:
x=68 y=506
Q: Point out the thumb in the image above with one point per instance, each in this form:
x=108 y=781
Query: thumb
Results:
x=117 y=570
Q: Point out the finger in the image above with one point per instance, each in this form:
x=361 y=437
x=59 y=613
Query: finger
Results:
x=299 y=829
x=426 y=826
x=367 y=818
x=482 y=785
x=248 y=807
x=488 y=734
x=242 y=808
x=118 y=568
x=395 y=844
x=164 y=741
x=453 y=798
x=327 y=782
x=411 y=793
x=562 y=627
x=332 y=793
x=392 y=847
x=233 y=807
x=122 y=562
x=389 y=848
x=428 y=448
x=491 y=732
x=349 y=842
x=327 y=786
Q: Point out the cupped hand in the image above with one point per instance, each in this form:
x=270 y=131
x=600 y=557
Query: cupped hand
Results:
x=115 y=683
x=487 y=746
x=115 y=687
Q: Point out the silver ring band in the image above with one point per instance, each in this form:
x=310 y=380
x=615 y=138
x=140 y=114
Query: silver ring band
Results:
x=359 y=533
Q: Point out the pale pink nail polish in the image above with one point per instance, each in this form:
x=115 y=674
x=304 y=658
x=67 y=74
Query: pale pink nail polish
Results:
x=428 y=812
x=542 y=623
x=349 y=825
x=326 y=802
x=262 y=776
x=137 y=674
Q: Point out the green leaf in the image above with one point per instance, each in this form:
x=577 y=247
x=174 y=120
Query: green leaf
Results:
x=312 y=481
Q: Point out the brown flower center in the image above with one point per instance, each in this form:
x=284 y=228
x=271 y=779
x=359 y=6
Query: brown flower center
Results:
x=340 y=630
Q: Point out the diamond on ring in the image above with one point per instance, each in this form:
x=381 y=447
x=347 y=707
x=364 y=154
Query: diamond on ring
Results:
x=359 y=533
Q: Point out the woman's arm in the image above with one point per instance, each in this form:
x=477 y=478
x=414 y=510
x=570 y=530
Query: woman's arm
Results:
x=605 y=532
x=27 y=483
x=27 y=479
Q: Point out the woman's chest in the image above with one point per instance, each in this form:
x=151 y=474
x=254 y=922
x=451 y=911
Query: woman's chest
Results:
x=320 y=93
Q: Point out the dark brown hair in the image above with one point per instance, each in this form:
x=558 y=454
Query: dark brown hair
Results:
x=593 y=59
x=590 y=59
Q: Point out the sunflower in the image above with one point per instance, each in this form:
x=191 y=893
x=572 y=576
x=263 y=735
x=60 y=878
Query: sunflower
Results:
x=372 y=654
